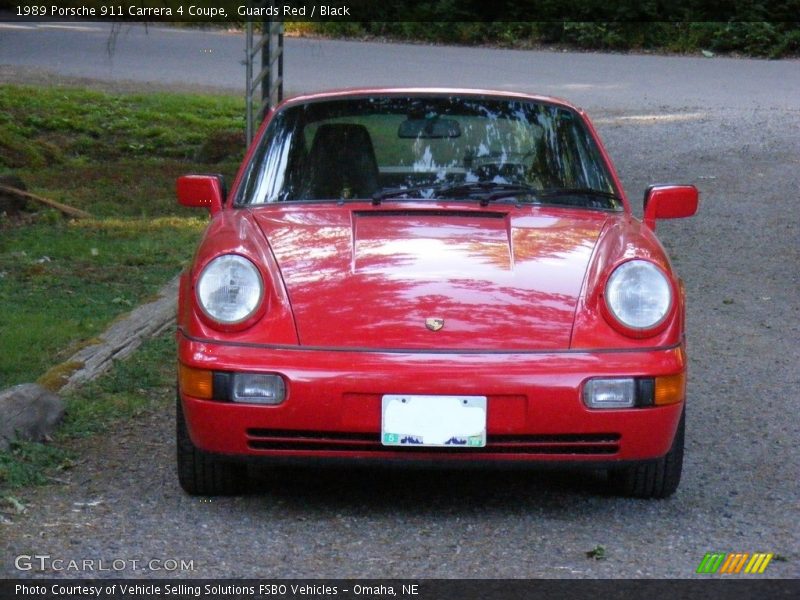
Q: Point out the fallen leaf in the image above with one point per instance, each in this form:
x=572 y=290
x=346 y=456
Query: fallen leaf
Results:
x=597 y=553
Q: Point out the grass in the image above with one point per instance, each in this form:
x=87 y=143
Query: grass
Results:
x=141 y=384
x=116 y=156
x=63 y=281
x=40 y=126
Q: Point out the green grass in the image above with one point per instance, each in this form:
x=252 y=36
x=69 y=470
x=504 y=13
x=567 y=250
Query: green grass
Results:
x=139 y=385
x=117 y=188
x=117 y=157
x=40 y=126
x=63 y=283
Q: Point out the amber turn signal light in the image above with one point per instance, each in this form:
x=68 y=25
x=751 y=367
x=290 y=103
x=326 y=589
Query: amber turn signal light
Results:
x=670 y=389
x=197 y=383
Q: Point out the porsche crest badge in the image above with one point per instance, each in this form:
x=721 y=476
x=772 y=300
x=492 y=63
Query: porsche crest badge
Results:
x=434 y=323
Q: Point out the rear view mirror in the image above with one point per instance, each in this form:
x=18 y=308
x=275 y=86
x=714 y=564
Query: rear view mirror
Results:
x=669 y=202
x=429 y=128
x=201 y=191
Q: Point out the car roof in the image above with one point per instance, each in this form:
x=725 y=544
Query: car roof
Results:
x=424 y=91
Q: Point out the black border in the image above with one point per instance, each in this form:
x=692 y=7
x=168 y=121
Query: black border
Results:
x=388 y=11
x=708 y=587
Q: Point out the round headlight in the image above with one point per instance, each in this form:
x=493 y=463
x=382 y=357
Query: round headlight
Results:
x=638 y=294
x=229 y=290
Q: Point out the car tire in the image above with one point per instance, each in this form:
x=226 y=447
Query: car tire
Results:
x=653 y=479
x=201 y=474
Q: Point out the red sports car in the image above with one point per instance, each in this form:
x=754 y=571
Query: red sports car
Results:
x=433 y=276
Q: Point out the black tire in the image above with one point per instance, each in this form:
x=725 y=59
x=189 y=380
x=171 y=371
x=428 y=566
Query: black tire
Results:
x=201 y=474
x=653 y=479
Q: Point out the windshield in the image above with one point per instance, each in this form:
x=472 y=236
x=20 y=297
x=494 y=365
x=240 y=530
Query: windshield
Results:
x=378 y=147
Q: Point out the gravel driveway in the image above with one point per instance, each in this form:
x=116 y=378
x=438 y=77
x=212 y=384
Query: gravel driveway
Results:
x=740 y=258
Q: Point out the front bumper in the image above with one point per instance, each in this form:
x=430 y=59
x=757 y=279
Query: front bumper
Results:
x=333 y=404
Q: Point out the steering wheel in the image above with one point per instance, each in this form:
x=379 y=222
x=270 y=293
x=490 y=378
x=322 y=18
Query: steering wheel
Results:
x=510 y=166
x=504 y=170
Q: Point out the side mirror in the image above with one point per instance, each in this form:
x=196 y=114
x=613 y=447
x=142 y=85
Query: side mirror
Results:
x=201 y=190
x=669 y=202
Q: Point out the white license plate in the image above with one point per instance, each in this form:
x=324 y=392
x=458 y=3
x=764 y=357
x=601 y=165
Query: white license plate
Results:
x=446 y=421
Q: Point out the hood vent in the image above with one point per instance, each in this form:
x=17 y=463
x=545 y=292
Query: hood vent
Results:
x=421 y=212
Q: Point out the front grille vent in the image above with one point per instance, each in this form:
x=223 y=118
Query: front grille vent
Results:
x=327 y=441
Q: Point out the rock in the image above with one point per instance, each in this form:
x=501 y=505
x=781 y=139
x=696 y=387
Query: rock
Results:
x=11 y=204
x=28 y=412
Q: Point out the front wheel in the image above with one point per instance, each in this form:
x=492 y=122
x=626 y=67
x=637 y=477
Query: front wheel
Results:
x=653 y=479
x=201 y=474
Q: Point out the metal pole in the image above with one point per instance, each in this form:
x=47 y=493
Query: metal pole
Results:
x=280 y=61
x=266 y=57
x=248 y=98
x=269 y=79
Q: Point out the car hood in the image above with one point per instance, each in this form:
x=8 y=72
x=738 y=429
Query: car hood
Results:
x=384 y=278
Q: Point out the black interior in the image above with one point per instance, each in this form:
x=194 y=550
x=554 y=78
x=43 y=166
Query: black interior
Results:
x=341 y=163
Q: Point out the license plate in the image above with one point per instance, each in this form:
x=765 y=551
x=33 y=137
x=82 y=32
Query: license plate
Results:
x=442 y=421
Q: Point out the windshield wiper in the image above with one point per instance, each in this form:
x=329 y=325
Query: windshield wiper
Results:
x=488 y=190
x=507 y=190
x=393 y=192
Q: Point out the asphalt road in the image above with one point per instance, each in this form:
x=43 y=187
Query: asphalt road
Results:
x=729 y=126
x=183 y=57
